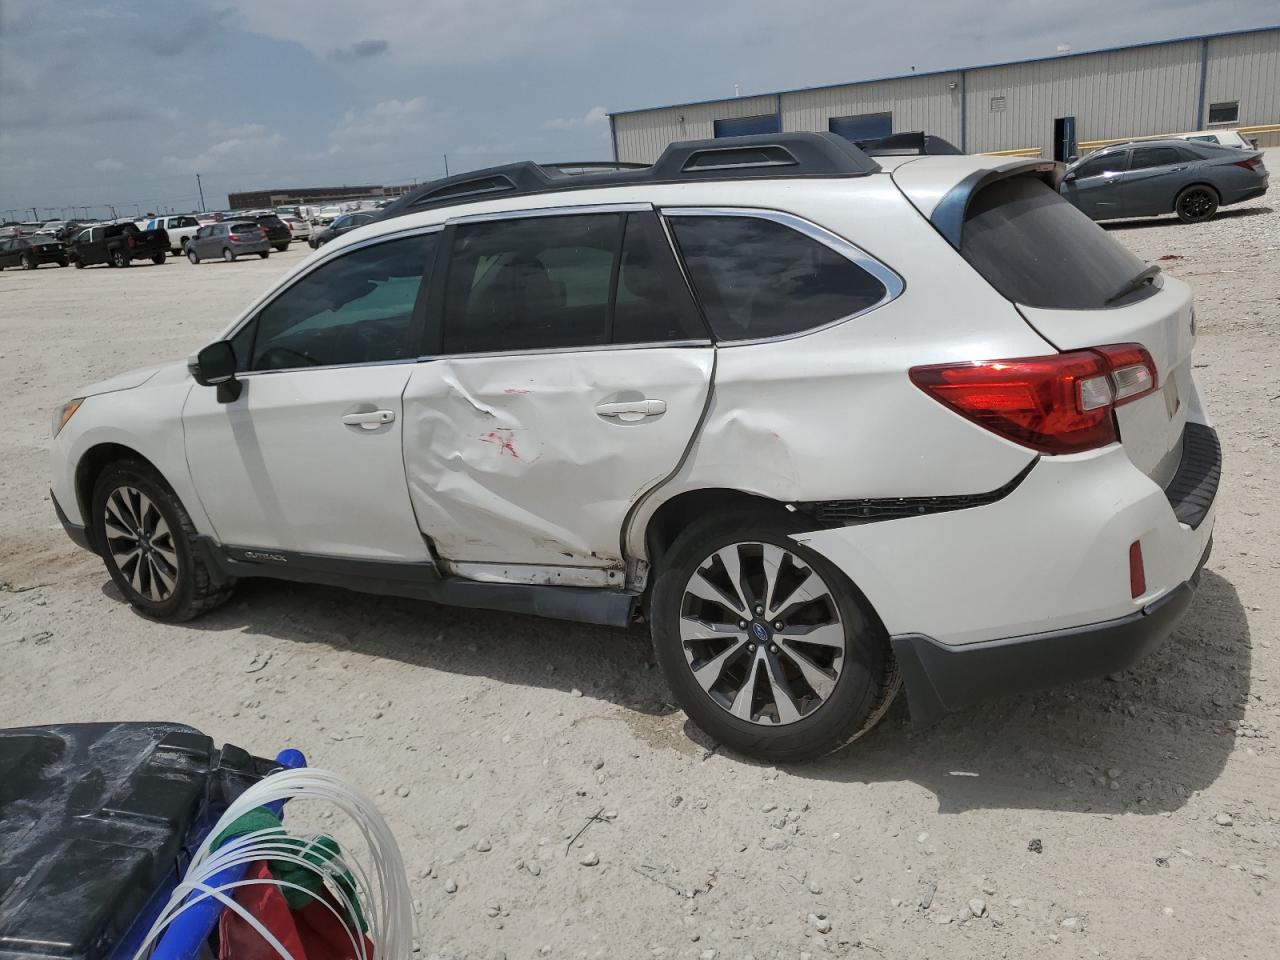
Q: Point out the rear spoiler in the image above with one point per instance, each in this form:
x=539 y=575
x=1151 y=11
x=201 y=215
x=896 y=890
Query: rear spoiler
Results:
x=948 y=216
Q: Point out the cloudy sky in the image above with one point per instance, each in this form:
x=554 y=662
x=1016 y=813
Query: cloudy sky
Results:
x=122 y=102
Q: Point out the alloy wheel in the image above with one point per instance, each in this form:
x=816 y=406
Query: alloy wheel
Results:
x=762 y=633
x=141 y=543
x=1196 y=203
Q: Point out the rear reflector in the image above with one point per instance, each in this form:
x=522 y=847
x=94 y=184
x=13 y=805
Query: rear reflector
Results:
x=1061 y=403
x=1137 y=573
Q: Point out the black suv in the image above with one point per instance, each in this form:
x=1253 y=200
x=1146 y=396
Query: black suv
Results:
x=278 y=233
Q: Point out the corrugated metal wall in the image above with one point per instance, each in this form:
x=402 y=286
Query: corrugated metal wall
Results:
x=1126 y=93
x=917 y=103
x=1139 y=91
x=1245 y=68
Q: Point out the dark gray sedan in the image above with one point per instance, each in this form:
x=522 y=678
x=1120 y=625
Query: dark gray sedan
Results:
x=1147 y=178
x=228 y=240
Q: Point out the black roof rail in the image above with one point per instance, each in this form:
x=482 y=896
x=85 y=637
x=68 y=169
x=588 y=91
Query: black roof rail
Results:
x=914 y=143
x=765 y=156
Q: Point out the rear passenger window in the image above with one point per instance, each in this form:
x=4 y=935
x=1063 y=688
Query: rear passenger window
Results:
x=1144 y=157
x=549 y=283
x=757 y=278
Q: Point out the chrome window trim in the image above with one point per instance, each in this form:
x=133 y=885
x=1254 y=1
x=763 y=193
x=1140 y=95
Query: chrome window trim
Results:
x=272 y=295
x=587 y=348
x=889 y=278
x=558 y=211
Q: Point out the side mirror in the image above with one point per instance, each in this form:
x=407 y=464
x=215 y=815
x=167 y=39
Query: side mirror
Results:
x=1073 y=158
x=215 y=366
x=1067 y=178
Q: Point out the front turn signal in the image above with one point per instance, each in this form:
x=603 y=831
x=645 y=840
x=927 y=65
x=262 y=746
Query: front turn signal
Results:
x=65 y=413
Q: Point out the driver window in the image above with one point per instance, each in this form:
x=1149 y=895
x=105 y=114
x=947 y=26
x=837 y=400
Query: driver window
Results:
x=357 y=308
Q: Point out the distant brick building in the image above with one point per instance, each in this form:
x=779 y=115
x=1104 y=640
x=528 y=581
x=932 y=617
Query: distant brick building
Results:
x=280 y=196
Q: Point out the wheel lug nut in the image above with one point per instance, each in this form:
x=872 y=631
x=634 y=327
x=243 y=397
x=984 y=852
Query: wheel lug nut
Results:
x=759 y=610
x=778 y=625
x=742 y=624
x=773 y=648
x=751 y=648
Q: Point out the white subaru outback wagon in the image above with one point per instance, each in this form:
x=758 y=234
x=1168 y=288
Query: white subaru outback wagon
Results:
x=831 y=423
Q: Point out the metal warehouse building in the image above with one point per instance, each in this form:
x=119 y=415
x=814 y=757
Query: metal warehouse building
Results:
x=1035 y=107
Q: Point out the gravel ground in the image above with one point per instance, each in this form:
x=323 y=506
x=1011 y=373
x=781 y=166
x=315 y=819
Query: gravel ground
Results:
x=1132 y=817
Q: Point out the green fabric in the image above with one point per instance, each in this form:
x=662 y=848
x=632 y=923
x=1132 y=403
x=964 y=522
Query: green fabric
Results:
x=320 y=851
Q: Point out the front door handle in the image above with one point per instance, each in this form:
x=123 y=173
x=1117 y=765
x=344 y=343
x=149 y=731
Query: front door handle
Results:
x=369 y=420
x=630 y=411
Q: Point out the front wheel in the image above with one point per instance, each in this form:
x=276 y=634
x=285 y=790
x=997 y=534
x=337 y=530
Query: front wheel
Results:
x=264 y=254
x=766 y=644
x=120 y=258
x=228 y=254
x=192 y=255
x=77 y=263
x=1196 y=204
x=28 y=263
x=147 y=542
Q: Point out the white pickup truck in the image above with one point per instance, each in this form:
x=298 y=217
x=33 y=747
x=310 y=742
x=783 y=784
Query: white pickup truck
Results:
x=180 y=229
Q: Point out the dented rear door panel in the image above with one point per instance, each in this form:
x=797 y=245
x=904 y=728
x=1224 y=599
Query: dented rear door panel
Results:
x=509 y=460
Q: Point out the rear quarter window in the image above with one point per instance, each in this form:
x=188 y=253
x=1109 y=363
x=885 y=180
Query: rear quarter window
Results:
x=757 y=278
x=1037 y=249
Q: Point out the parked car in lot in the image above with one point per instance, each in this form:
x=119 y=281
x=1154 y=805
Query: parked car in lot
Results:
x=1226 y=138
x=228 y=240
x=828 y=424
x=31 y=252
x=278 y=234
x=343 y=224
x=298 y=227
x=179 y=228
x=1148 y=178
x=117 y=244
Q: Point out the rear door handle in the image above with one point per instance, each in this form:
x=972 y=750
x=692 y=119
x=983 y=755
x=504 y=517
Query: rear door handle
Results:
x=630 y=411
x=370 y=420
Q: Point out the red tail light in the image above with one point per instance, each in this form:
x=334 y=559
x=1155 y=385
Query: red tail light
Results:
x=1253 y=163
x=131 y=239
x=264 y=230
x=1056 y=404
x=237 y=236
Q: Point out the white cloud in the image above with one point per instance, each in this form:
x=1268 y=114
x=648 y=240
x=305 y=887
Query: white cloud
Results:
x=593 y=117
x=108 y=164
x=388 y=118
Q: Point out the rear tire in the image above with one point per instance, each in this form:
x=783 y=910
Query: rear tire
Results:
x=1196 y=204
x=282 y=247
x=228 y=254
x=264 y=254
x=148 y=545
x=75 y=262
x=27 y=262
x=158 y=259
x=832 y=689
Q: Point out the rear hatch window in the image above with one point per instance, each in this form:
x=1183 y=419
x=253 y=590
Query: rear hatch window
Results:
x=1039 y=250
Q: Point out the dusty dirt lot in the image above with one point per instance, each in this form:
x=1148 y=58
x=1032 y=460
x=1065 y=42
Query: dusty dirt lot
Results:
x=491 y=739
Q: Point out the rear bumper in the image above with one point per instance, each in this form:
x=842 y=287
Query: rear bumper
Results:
x=940 y=678
x=1034 y=589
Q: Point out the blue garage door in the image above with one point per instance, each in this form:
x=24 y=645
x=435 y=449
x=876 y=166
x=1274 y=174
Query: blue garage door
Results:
x=746 y=126
x=864 y=126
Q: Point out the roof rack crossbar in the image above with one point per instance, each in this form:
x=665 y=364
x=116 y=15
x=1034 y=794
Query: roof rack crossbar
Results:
x=781 y=155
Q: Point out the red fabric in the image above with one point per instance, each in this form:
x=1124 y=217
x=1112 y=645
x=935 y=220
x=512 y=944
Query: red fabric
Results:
x=312 y=933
